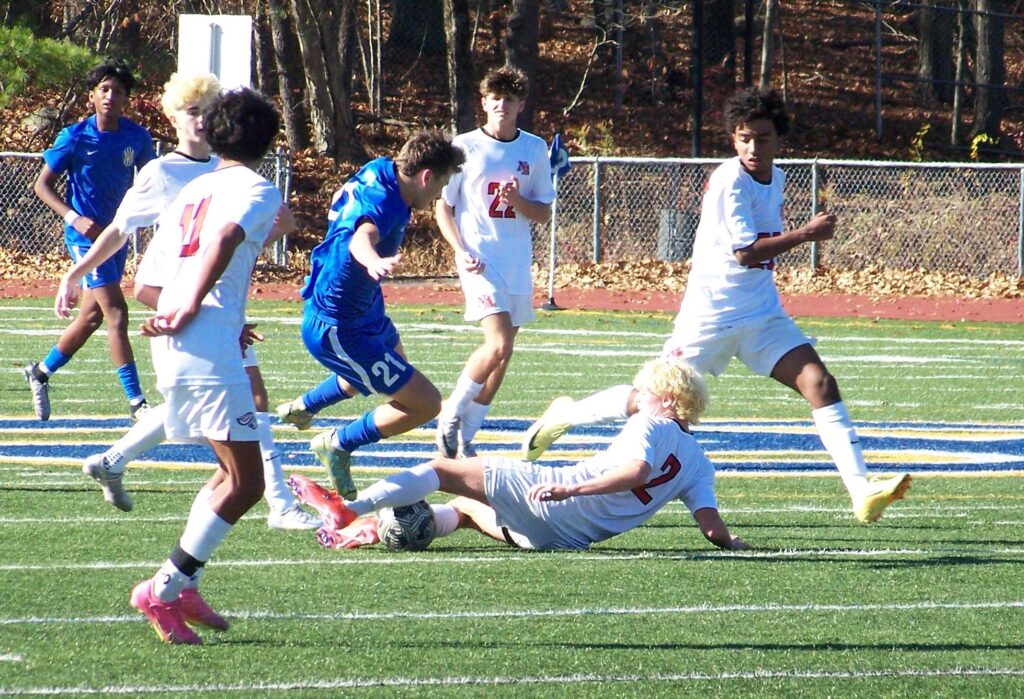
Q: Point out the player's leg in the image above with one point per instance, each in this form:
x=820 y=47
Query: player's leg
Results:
x=614 y=403
x=321 y=340
x=108 y=467
x=463 y=477
x=474 y=514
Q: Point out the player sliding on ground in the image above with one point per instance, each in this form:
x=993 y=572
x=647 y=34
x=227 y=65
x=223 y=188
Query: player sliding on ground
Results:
x=653 y=461
x=731 y=307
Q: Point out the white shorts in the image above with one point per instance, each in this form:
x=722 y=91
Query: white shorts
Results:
x=249 y=357
x=759 y=343
x=221 y=413
x=485 y=297
x=506 y=484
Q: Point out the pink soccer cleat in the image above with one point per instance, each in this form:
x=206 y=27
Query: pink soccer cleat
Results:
x=166 y=617
x=333 y=510
x=362 y=532
x=196 y=611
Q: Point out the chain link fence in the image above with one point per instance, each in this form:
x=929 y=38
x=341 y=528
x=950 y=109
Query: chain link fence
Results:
x=944 y=217
x=28 y=226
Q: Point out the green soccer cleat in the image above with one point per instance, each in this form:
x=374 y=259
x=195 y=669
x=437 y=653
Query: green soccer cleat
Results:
x=884 y=492
x=338 y=463
x=293 y=413
x=543 y=433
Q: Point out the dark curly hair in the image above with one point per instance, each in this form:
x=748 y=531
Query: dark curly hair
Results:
x=505 y=81
x=111 y=69
x=241 y=125
x=429 y=150
x=753 y=103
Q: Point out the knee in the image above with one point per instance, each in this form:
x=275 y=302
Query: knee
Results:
x=500 y=350
x=430 y=403
x=818 y=383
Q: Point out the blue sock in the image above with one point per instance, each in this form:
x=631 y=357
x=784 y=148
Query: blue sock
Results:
x=55 y=359
x=129 y=377
x=326 y=394
x=363 y=430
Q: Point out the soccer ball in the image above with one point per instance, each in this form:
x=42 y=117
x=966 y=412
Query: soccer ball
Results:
x=409 y=528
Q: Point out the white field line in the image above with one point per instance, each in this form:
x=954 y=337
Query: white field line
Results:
x=549 y=613
x=520 y=559
x=10 y=658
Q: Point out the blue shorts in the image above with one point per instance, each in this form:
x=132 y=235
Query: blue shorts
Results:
x=364 y=357
x=110 y=272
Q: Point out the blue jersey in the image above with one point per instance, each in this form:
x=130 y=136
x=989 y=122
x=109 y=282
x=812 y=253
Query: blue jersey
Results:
x=100 y=166
x=338 y=289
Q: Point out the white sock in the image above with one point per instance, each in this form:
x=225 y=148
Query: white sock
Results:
x=145 y=434
x=472 y=419
x=446 y=519
x=398 y=489
x=841 y=442
x=275 y=492
x=204 y=531
x=201 y=498
x=466 y=389
x=604 y=406
x=193 y=582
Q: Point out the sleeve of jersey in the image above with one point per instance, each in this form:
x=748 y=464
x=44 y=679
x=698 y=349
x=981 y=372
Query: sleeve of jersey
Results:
x=737 y=215
x=146 y=150
x=258 y=211
x=701 y=492
x=58 y=156
x=542 y=188
x=450 y=192
x=142 y=203
x=634 y=442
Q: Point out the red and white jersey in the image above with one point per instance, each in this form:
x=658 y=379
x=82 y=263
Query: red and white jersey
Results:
x=491 y=231
x=736 y=211
x=679 y=471
x=206 y=352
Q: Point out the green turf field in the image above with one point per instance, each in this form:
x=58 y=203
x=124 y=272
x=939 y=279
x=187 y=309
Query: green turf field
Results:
x=928 y=602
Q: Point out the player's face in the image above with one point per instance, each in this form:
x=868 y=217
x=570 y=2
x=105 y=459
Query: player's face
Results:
x=433 y=183
x=757 y=143
x=188 y=122
x=109 y=98
x=654 y=405
x=502 y=112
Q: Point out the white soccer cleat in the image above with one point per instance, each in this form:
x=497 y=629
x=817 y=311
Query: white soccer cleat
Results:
x=448 y=436
x=883 y=493
x=293 y=413
x=40 y=392
x=98 y=468
x=294 y=518
x=543 y=433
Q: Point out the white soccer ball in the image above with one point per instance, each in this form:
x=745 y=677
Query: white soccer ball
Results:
x=408 y=528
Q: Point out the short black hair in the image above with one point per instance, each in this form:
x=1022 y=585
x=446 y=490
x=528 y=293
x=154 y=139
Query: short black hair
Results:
x=111 y=69
x=241 y=125
x=754 y=103
x=429 y=150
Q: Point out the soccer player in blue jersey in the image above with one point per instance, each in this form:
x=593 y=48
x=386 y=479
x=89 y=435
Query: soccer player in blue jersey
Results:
x=344 y=325
x=99 y=156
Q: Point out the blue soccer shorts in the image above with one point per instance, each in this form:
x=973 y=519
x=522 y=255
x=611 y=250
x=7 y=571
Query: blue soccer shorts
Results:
x=109 y=272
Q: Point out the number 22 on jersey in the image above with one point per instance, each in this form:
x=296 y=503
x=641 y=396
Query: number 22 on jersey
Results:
x=497 y=209
x=191 y=223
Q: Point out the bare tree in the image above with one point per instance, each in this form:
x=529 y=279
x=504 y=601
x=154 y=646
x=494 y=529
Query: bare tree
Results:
x=287 y=57
x=768 y=42
x=935 y=53
x=521 y=48
x=460 y=65
x=990 y=72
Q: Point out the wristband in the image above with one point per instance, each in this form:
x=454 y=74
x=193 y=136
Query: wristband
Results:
x=70 y=216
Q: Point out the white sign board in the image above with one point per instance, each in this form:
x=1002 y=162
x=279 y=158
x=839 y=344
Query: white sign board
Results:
x=218 y=44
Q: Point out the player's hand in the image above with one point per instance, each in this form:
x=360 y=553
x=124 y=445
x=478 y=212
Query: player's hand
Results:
x=549 y=492
x=67 y=297
x=468 y=263
x=87 y=227
x=383 y=267
x=168 y=323
x=822 y=226
x=508 y=192
x=249 y=336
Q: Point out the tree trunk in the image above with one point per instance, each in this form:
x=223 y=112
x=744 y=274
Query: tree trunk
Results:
x=350 y=147
x=521 y=49
x=287 y=57
x=460 y=65
x=990 y=99
x=935 y=53
x=263 y=54
x=768 y=43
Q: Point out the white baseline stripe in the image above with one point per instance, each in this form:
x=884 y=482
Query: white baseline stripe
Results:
x=10 y=658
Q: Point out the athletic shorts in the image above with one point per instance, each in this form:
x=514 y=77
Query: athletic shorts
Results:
x=526 y=523
x=110 y=272
x=759 y=344
x=485 y=297
x=221 y=413
x=364 y=357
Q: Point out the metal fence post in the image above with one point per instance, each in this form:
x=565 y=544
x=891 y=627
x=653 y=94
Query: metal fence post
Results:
x=815 y=261
x=597 y=209
x=281 y=245
x=551 y=305
x=1020 y=229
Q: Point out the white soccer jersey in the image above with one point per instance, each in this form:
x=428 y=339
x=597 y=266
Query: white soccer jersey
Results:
x=679 y=470
x=736 y=211
x=497 y=234
x=206 y=352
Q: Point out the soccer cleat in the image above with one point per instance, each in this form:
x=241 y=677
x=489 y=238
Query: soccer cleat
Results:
x=166 y=617
x=40 y=392
x=195 y=610
x=447 y=438
x=362 y=532
x=334 y=512
x=885 y=491
x=294 y=518
x=338 y=463
x=293 y=413
x=543 y=433
x=466 y=450
x=97 y=467
x=137 y=411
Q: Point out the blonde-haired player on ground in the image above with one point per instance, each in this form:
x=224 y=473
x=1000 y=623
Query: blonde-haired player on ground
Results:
x=653 y=461
x=184 y=98
x=731 y=307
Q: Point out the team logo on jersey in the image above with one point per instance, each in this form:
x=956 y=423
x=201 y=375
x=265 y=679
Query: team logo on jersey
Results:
x=485 y=301
x=128 y=156
x=247 y=420
x=524 y=167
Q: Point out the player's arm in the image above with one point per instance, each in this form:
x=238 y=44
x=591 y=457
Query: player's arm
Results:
x=109 y=242
x=822 y=226
x=45 y=189
x=715 y=531
x=363 y=248
x=284 y=224
x=147 y=295
x=444 y=214
x=629 y=475
x=215 y=260
x=509 y=195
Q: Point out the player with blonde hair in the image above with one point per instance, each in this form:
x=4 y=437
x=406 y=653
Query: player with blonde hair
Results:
x=653 y=461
